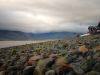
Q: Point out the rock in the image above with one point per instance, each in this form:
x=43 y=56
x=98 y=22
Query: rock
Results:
x=9 y=73
x=26 y=64
x=62 y=60
x=64 y=69
x=55 y=57
x=14 y=68
x=13 y=52
x=23 y=58
x=92 y=73
x=19 y=64
x=39 y=70
x=3 y=67
x=1 y=64
x=96 y=48
x=77 y=69
x=83 y=49
x=71 y=73
x=46 y=62
x=50 y=72
x=98 y=59
x=76 y=53
x=53 y=67
x=36 y=57
x=96 y=55
x=29 y=71
x=96 y=67
x=11 y=63
x=89 y=57
x=87 y=65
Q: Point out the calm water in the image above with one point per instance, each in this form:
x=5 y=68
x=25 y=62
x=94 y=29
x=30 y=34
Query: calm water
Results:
x=4 y=44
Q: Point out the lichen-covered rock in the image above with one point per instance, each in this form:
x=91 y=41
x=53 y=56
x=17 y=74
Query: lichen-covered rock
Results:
x=96 y=67
x=39 y=70
x=62 y=60
x=87 y=65
x=46 y=62
x=93 y=73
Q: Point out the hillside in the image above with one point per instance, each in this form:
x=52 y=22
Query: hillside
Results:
x=14 y=35
x=53 y=35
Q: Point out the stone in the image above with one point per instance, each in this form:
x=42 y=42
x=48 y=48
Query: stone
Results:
x=71 y=73
x=62 y=60
x=3 y=67
x=98 y=59
x=50 y=72
x=87 y=65
x=14 y=68
x=96 y=48
x=53 y=67
x=76 y=53
x=92 y=73
x=96 y=67
x=39 y=70
x=89 y=57
x=96 y=55
x=77 y=69
x=55 y=57
x=36 y=57
x=83 y=49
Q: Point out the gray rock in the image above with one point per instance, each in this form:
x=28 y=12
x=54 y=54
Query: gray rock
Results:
x=50 y=72
x=93 y=73
x=96 y=67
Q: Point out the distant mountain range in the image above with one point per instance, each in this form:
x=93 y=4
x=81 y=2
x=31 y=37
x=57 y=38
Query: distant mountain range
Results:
x=53 y=35
x=18 y=35
x=14 y=35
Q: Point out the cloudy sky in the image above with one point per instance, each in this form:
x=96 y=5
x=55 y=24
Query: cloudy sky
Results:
x=40 y=16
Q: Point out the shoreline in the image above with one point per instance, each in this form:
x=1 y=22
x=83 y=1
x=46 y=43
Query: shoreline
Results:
x=4 y=44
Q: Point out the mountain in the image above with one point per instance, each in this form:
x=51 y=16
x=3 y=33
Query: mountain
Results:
x=14 y=35
x=53 y=35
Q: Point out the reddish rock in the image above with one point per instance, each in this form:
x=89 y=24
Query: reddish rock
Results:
x=83 y=49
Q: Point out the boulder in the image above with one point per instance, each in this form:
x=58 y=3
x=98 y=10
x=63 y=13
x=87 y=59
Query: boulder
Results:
x=50 y=72
x=39 y=70
x=96 y=67
x=87 y=65
x=83 y=49
x=92 y=73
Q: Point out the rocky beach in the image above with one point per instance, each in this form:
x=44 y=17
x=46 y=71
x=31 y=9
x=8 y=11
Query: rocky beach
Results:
x=72 y=56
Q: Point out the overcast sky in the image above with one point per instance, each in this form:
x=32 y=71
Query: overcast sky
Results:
x=39 y=16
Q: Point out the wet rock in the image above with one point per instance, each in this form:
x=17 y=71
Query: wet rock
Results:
x=93 y=73
x=96 y=67
x=50 y=72
x=39 y=70
x=87 y=65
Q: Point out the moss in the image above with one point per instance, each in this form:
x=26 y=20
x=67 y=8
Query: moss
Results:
x=13 y=52
x=37 y=49
x=40 y=61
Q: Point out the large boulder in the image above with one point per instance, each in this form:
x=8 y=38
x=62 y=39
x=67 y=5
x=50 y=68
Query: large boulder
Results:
x=96 y=67
x=83 y=49
x=93 y=73
x=87 y=65
x=39 y=70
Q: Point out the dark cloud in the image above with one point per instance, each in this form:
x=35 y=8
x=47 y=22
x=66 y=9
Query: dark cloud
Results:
x=49 y=15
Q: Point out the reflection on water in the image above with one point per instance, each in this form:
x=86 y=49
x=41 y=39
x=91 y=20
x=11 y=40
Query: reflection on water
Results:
x=4 y=44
